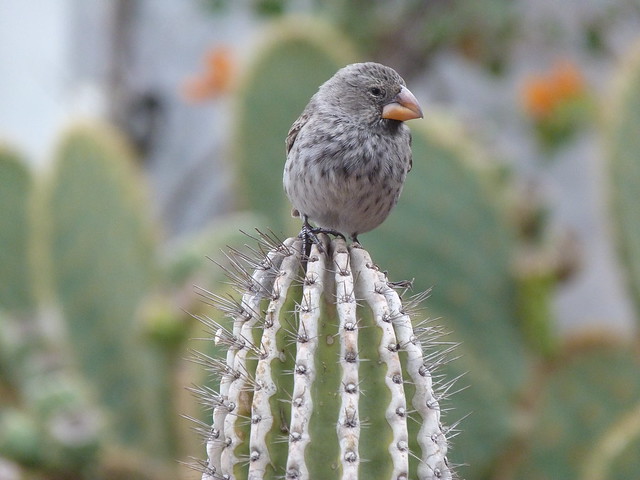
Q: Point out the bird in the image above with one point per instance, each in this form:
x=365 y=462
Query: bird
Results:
x=349 y=152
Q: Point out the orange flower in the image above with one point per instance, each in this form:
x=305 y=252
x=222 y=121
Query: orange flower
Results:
x=216 y=78
x=538 y=96
x=541 y=94
x=568 y=80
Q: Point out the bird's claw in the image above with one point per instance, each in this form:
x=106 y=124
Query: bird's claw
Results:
x=309 y=236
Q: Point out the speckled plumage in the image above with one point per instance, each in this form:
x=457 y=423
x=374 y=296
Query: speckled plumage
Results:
x=346 y=165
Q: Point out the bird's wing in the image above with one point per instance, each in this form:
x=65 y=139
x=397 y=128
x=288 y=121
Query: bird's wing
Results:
x=295 y=128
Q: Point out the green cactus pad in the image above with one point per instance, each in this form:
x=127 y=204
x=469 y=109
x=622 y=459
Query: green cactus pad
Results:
x=16 y=287
x=588 y=423
x=453 y=235
x=325 y=375
x=32 y=443
x=623 y=145
x=101 y=253
x=56 y=429
x=20 y=437
x=297 y=56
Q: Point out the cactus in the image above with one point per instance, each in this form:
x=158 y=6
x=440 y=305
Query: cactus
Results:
x=100 y=247
x=325 y=376
x=84 y=392
x=296 y=57
x=589 y=416
x=16 y=288
x=56 y=428
x=623 y=145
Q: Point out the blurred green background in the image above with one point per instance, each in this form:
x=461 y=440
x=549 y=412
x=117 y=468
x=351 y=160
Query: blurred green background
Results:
x=139 y=137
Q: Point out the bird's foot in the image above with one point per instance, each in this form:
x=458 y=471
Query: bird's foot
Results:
x=309 y=236
x=355 y=243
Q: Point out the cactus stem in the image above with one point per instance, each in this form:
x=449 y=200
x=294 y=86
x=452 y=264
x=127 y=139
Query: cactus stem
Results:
x=260 y=410
x=342 y=298
x=218 y=451
x=302 y=404
x=348 y=426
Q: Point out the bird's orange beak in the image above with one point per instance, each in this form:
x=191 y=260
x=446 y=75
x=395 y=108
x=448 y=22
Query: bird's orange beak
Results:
x=403 y=107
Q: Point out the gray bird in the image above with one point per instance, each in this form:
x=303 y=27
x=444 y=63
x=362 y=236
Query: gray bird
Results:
x=349 y=152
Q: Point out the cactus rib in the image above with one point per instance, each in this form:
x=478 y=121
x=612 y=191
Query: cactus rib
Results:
x=263 y=281
x=266 y=387
x=387 y=308
x=348 y=427
x=305 y=366
x=370 y=289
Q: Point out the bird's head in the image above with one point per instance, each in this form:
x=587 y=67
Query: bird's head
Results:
x=369 y=92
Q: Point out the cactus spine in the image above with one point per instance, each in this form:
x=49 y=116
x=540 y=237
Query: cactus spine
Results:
x=304 y=393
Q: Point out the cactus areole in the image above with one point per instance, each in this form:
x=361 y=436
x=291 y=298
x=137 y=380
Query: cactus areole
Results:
x=325 y=375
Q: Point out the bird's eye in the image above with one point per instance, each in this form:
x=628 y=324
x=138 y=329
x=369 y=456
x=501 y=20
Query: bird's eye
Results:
x=376 y=91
